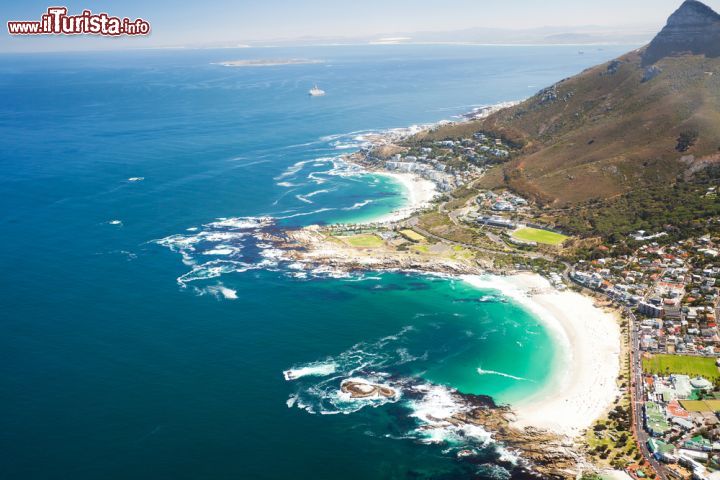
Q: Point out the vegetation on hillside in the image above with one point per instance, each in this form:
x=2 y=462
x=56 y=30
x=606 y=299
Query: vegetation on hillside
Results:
x=682 y=210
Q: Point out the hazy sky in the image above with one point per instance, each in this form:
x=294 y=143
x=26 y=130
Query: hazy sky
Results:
x=179 y=22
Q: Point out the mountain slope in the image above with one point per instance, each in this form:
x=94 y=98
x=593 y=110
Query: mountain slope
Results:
x=647 y=118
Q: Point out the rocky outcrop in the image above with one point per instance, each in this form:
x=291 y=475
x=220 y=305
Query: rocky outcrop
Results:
x=546 y=455
x=650 y=73
x=362 y=389
x=694 y=28
x=612 y=67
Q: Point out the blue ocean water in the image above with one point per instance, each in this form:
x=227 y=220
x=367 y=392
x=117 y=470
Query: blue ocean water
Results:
x=123 y=358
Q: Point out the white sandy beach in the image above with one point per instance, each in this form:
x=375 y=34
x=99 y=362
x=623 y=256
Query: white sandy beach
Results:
x=419 y=193
x=584 y=384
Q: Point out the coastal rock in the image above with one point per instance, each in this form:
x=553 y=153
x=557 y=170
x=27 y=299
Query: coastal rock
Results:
x=363 y=389
x=545 y=454
x=694 y=28
x=312 y=249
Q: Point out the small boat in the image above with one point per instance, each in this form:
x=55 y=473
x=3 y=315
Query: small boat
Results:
x=316 y=92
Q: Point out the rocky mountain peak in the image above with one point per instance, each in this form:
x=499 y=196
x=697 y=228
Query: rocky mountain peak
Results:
x=693 y=29
x=693 y=12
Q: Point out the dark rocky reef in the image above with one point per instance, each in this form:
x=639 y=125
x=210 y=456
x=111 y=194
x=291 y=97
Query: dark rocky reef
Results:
x=546 y=455
x=693 y=29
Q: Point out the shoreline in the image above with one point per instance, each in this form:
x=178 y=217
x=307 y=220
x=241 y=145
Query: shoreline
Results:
x=420 y=191
x=419 y=194
x=583 y=383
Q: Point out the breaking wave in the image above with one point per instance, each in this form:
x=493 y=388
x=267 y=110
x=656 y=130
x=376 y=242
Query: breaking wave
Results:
x=292 y=170
x=363 y=362
x=305 y=214
x=501 y=374
x=359 y=205
x=306 y=198
x=218 y=291
x=219 y=248
x=235 y=245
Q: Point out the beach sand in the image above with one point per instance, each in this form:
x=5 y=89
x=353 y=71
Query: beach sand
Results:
x=583 y=385
x=419 y=193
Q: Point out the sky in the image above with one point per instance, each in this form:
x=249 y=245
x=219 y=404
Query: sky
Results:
x=208 y=22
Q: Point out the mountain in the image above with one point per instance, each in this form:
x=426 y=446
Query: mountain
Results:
x=694 y=28
x=647 y=118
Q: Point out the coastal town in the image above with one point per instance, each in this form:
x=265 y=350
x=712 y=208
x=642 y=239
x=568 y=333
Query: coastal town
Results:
x=665 y=291
x=670 y=292
x=449 y=164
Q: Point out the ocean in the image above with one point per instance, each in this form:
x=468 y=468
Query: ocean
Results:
x=146 y=330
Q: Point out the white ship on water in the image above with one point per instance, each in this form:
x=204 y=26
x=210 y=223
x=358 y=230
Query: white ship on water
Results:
x=316 y=92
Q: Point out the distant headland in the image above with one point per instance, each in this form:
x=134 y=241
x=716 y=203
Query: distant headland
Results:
x=267 y=62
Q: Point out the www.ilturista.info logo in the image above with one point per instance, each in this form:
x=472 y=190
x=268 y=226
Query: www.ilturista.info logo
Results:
x=57 y=22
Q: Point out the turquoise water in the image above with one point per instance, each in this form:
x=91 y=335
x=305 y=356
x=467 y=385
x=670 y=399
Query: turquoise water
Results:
x=124 y=352
x=445 y=332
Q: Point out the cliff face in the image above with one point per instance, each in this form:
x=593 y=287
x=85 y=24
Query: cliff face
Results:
x=694 y=28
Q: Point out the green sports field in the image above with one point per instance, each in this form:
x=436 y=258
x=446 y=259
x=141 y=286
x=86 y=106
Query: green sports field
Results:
x=539 y=236
x=701 y=405
x=681 y=364
x=364 y=241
